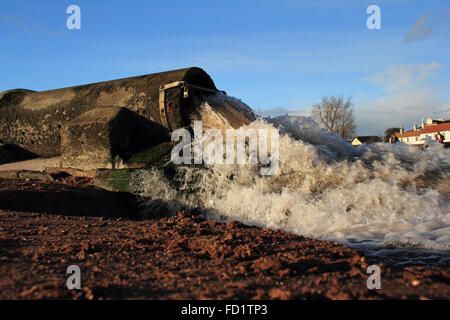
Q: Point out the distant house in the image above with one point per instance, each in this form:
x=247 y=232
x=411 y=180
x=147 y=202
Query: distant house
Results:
x=417 y=136
x=360 y=140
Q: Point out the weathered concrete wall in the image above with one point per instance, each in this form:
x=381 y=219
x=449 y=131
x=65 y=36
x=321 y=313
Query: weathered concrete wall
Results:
x=106 y=137
x=33 y=120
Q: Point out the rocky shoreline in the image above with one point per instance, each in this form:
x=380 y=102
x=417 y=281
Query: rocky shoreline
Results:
x=180 y=257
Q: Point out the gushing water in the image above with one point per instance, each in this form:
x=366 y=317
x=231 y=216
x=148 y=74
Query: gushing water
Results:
x=377 y=197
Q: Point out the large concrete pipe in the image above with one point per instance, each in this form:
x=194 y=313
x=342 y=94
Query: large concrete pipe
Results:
x=33 y=120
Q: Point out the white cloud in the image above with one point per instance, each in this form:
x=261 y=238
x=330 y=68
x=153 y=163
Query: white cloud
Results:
x=404 y=108
x=409 y=98
x=428 y=25
x=33 y=27
x=403 y=76
x=17 y=22
x=422 y=29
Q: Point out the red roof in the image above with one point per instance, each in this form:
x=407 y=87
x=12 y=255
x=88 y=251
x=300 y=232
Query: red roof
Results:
x=436 y=128
x=408 y=134
x=428 y=129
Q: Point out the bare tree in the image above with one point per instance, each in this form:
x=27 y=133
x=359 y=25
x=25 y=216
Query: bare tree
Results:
x=336 y=115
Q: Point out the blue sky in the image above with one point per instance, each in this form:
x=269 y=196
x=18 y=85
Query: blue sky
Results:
x=279 y=56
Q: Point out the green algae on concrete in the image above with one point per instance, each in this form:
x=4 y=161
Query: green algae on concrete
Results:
x=113 y=179
x=158 y=155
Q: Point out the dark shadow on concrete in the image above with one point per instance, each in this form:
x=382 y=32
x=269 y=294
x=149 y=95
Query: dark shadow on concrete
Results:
x=12 y=153
x=139 y=133
x=90 y=203
x=72 y=203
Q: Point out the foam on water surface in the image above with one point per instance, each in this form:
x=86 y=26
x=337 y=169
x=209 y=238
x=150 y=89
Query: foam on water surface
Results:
x=381 y=198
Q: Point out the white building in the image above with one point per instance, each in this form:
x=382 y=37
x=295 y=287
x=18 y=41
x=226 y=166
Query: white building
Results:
x=360 y=140
x=417 y=136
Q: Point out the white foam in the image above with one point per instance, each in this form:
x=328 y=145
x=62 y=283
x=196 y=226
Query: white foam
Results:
x=329 y=189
